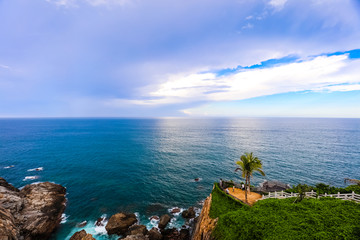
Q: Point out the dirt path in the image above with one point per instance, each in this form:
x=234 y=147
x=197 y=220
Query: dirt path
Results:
x=252 y=197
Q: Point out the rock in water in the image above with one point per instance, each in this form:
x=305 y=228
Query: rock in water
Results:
x=164 y=220
x=156 y=218
x=154 y=234
x=36 y=209
x=119 y=223
x=184 y=234
x=137 y=229
x=190 y=213
x=175 y=210
x=82 y=224
x=82 y=235
x=135 y=237
x=100 y=222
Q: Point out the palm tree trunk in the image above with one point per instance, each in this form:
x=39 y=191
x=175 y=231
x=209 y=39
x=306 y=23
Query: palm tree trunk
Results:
x=246 y=182
x=249 y=184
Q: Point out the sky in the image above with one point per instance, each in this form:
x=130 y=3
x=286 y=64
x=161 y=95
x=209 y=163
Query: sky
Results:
x=172 y=58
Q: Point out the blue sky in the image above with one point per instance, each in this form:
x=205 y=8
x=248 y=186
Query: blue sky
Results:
x=169 y=58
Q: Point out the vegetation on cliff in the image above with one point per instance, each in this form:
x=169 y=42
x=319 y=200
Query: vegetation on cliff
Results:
x=325 y=218
x=322 y=188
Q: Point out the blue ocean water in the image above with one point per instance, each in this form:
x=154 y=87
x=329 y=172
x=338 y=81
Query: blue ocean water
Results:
x=148 y=166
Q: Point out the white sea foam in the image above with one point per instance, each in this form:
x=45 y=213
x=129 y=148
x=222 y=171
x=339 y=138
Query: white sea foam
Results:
x=11 y=166
x=30 y=178
x=152 y=223
x=175 y=214
x=100 y=230
x=173 y=223
x=64 y=218
x=36 y=169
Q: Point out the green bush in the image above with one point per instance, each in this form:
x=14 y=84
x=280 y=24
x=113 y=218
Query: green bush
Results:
x=322 y=188
x=324 y=218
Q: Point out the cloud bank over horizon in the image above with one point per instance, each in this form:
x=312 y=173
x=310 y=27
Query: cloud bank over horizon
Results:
x=135 y=58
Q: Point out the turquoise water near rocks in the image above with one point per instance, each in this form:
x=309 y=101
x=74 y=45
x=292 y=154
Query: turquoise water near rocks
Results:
x=148 y=166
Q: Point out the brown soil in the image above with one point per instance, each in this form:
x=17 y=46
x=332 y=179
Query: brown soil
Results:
x=251 y=196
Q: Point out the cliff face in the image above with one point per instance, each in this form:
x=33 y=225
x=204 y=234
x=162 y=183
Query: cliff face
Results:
x=205 y=224
x=32 y=212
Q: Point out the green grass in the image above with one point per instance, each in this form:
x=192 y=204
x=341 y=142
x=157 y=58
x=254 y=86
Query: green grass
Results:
x=326 y=218
x=222 y=203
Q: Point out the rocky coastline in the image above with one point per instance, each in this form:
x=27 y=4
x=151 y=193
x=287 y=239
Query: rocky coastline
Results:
x=35 y=211
x=31 y=213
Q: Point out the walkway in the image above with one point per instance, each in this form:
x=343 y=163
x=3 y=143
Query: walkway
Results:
x=240 y=194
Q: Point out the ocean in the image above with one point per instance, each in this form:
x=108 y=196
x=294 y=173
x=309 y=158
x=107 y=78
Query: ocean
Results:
x=148 y=166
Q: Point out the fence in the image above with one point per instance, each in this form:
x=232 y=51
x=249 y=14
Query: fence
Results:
x=344 y=196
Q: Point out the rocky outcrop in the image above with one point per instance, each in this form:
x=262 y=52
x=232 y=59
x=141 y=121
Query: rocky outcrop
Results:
x=154 y=234
x=174 y=234
x=205 y=225
x=8 y=229
x=120 y=223
x=137 y=229
x=82 y=235
x=31 y=213
x=164 y=220
x=190 y=213
x=135 y=237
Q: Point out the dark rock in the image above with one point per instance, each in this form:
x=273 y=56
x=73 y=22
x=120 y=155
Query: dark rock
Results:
x=156 y=218
x=164 y=220
x=5 y=184
x=174 y=234
x=154 y=234
x=171 y=234
x=135 y=237
x=197 y=179
x=82 y=224
x=137 y=229
x=175 y=210
x=190 y=213
x=36 y=209
x=82 y=235
x=100 y=222
x=184 y=234
x=120 y=223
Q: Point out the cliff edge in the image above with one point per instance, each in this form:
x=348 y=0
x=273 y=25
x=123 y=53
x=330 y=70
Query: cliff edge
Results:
x=205 y=224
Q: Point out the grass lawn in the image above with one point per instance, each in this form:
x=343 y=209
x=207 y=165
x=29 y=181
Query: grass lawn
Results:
x=326 y=218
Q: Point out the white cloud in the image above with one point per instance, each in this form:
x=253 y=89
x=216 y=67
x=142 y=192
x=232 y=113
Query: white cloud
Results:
x=4 y=66
x=317 y=74
x=278 y=4
x=248 y=26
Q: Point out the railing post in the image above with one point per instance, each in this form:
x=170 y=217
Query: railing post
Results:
x=275 y=194
x=282 y=193
x=312 y=193
x=325 y=194
x=353 y=195
x=338 y=195
x=292 y=194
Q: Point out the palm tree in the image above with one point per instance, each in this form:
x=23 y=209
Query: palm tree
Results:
x=247 y=165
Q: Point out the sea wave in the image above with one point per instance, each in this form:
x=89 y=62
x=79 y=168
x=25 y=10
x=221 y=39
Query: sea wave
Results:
x=64 y=218
x=30 y=178
x=36 y=169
